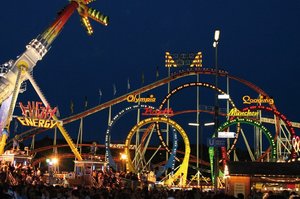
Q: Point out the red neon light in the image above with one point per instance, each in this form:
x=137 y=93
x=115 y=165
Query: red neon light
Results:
x=37 y=110
x=150 y=111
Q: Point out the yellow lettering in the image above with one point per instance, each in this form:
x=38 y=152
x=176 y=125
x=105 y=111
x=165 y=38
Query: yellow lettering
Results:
x=246 y=99
x=41 y=123
x=29 y=121
x=47 y=124
x=130 y=98
x=21 y=120
x=237 y=113
x=53 y=123
x=36 y=122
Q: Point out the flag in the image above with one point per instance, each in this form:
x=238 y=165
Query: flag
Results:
x=143 y=78
x=157 y=73
x=128 y=84
x=100 y=95
x=114 y=89
x=57 y=113
x=85 y=103
x=72 y=107
x=16 y=126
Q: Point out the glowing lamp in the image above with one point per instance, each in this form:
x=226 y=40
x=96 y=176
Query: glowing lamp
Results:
x=217 y=35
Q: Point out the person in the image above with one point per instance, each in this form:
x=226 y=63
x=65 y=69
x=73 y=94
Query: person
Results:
x=75 y=194
x=5 y=192
x=16 y=145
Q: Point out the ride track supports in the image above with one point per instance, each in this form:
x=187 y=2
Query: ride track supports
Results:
x=59 y=126
x=35 y=51
x=182 y=171
x=227 y=124
x=15 y=93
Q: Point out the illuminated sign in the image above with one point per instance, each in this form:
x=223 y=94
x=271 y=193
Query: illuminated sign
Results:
x=157 y=112
x=225 y=134
x=37 y=115
x=296 y=144
x=135 y=99
x=237 y=113
x=183 y=59
x=248 y=100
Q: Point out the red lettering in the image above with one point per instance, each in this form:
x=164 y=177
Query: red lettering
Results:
x=157 y=112
x=37 y=110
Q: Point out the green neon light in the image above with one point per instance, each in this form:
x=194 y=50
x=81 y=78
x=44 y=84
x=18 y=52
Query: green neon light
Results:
x=245 y=121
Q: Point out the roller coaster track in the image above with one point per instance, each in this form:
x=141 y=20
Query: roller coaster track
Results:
x=174 y=76
x=45 y=148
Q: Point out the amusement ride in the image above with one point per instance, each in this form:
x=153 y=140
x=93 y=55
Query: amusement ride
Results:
x=156 y=130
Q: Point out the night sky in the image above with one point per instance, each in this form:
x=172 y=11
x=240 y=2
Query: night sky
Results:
x=259 y=42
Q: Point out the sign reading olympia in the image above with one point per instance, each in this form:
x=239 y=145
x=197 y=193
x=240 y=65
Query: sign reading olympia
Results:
x=37 y=115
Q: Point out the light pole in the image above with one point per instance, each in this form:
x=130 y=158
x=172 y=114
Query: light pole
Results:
x=52 y=163
x=197 y=150
x=216 y=161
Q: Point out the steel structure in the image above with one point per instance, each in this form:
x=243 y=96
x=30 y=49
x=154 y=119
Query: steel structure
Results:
x=19 y=70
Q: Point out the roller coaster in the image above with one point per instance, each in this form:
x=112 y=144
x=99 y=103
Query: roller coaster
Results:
x=151 y=134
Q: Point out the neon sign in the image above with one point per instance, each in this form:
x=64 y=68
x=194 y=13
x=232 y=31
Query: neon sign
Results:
x=248 y=100
x=237 y=113
x=150 y=111
x=135 y=99
x=37 y=115
x=296 y=144
x=183 y=59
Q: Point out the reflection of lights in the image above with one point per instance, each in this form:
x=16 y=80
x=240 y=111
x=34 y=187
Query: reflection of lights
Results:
x=209 y=124
x=223 y=96
x=226 y=172
x=55 y=160
x=123 y=156
x=52 y=161
x=193 y=124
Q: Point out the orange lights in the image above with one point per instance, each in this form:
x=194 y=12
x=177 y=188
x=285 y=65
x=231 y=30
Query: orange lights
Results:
x=98 y=16
x=86 y=13
x=183 y=59
x=86 y=23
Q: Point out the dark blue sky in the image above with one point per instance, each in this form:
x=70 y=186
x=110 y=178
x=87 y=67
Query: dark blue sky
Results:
x=259 y=42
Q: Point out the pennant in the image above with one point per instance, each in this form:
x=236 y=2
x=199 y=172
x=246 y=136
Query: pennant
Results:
x=100 y=95
x=85 y=103
x=114 y=89
x=72 y=107
x=16 y=126
x=143 y=78
x=128 y=84
x=57 y=113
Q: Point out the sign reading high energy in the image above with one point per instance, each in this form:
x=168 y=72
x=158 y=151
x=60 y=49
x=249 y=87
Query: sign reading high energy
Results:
x=37 y=115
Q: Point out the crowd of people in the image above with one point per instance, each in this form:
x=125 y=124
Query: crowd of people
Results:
x=25 y=182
